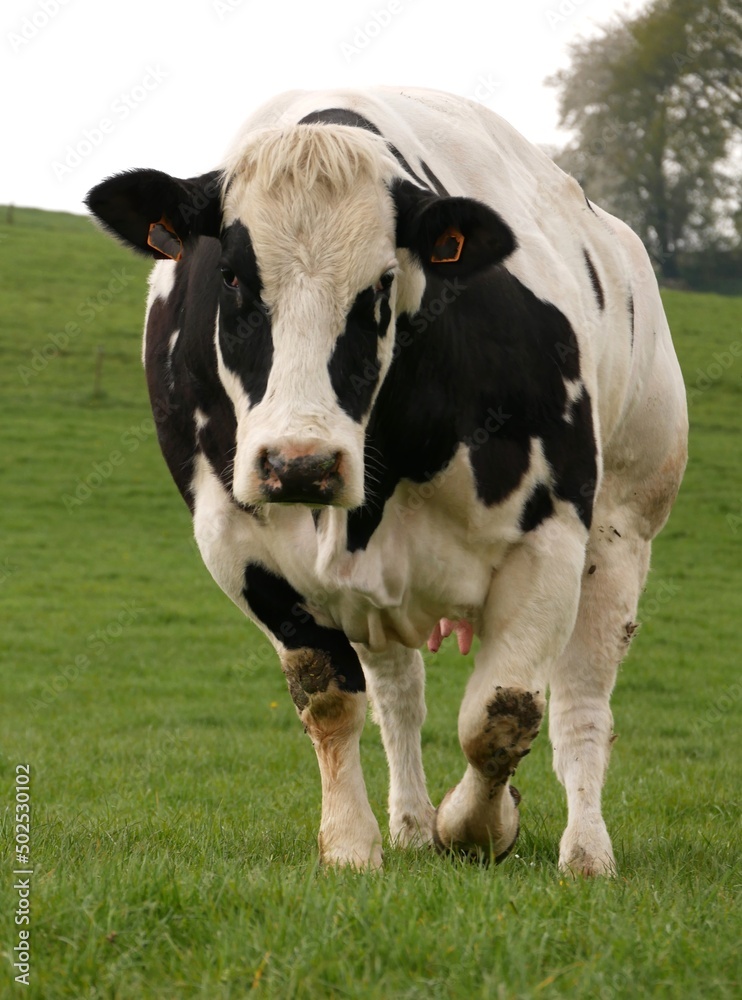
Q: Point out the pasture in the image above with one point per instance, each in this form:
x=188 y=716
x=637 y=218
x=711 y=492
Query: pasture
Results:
x=174 y=797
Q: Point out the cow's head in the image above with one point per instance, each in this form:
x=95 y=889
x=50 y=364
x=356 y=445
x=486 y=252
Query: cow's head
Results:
x=324 y=243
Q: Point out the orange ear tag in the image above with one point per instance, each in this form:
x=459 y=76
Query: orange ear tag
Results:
x=165 y=240
x=447 y=248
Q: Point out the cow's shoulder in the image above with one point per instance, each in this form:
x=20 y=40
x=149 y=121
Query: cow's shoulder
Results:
x=489 y=365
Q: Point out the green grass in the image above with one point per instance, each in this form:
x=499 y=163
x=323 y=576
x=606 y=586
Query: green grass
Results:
x=176 y=799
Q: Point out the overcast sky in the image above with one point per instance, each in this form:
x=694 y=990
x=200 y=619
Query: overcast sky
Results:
x=92 y=87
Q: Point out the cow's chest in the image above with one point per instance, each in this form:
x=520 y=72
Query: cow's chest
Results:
x=432 y=555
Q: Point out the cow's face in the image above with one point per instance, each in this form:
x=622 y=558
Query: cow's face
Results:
x=322 y=246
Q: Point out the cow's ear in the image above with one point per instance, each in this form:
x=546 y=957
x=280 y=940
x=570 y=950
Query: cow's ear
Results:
x=455 y=236
x=155 y=213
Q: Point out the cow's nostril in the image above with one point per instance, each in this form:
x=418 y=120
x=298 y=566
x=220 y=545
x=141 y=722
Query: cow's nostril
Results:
x=329 y=465
x=303 y=479
x=269 y=463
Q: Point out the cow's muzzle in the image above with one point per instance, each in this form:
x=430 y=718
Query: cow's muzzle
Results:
x=309 y=479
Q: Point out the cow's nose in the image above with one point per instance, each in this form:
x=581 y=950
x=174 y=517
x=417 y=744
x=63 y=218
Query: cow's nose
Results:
x=308 y=479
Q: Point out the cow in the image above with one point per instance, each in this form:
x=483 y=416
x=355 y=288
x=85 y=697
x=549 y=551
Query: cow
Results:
x=411 y=381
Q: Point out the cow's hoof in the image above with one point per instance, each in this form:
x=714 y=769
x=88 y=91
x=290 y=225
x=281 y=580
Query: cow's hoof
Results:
x=474 y=839
x=416 y=830
x=586 y=855
x=359 y=848
x=370 y=862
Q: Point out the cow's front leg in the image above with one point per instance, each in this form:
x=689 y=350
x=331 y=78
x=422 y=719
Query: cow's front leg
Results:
x=396 y=685
x=331 y=703
x=528 y=617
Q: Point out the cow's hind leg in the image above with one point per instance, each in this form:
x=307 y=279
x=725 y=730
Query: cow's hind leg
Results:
x=329 y=693
x=396 y=686
x=580 y=719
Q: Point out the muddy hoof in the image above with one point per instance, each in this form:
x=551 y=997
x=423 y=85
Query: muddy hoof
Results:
x=476 y=853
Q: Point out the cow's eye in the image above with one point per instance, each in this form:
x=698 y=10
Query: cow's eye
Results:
x=384 y=283
x=229 y=277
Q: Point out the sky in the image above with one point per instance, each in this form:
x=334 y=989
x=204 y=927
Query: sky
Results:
x=90 y=88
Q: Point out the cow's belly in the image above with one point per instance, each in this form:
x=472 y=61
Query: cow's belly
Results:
x=401 y=586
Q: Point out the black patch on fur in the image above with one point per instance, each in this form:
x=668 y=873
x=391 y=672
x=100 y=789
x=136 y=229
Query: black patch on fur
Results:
x=354 y=365
x=631 y=317
x=595 y=280
x=437 y=185
x=538 y=508
x=570 y=450
x=186 y=379
x=487 y=370
x=343 y=116
x=244 y=324
x=280 y=608
x=339 y=116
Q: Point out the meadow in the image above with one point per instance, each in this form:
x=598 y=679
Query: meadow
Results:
x=174 y=797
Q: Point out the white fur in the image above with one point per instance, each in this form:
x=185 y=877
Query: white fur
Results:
x=161 y=283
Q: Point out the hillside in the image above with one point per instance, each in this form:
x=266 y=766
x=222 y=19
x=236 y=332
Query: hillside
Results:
x=175 y=798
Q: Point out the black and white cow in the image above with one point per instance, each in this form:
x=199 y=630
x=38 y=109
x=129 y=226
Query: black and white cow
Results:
x=409 y=380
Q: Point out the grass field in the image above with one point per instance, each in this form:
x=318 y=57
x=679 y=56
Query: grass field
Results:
x=175 y=799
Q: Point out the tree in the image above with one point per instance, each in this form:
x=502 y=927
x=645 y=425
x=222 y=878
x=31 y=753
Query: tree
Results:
x=655 y=105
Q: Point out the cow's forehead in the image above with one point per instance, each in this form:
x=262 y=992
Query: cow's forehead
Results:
x=316 y=203
x=342 y=245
